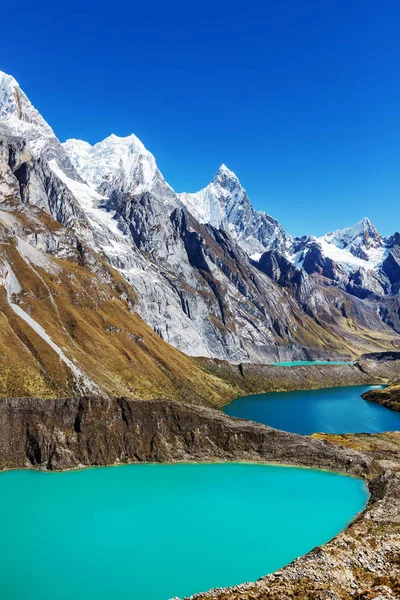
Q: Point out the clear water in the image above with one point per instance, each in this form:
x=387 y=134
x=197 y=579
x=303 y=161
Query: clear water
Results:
x=331 y=410
x=302 y=363
x=152 y=532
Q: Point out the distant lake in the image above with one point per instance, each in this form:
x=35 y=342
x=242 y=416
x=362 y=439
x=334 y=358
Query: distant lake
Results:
x=152 y=532
x=329 y=410
x=302 y=363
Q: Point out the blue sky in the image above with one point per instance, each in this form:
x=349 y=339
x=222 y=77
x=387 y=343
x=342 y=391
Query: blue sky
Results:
x=300 y=98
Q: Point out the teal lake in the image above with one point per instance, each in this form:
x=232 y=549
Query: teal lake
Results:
x=329 y=410
x=152 y=532
x=305 y=363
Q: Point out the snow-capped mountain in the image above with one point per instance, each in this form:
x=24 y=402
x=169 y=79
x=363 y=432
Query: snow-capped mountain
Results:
x=124 y=165
x=18 y=114
x=18 y=117
x=354 y=258
x=184 y=256
x=224 y=203
x=360 y=246
x=362 y=241
x=120 y=164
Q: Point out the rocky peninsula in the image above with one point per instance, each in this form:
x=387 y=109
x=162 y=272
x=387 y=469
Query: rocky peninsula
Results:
x=389 y=397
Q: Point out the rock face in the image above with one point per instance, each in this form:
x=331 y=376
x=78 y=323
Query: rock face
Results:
x=254 y=378
x=381 y=356
x=68 y=433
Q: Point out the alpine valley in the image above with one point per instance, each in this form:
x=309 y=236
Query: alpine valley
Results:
x=112 y=282
x=129 y=315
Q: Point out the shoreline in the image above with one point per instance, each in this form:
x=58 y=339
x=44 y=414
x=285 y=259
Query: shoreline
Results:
x=249 y=379
x=217 y=461
x=374 y=386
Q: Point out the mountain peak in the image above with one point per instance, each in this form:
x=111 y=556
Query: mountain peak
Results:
x=362 y=228
x=7 y=81
x=361 y=240
x=225 y=173
x=20 y=117
x=117 y=164
x=366 y=224
x=8 y=104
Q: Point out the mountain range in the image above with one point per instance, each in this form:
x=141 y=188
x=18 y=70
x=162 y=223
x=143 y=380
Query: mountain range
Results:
x=112 y=280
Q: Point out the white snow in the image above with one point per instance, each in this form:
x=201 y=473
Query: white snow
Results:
x=101 y=219
x=342 y=245
x=121 y=162
x=346 y=258
x=36 y=257
x=355 y=234
x=17 y=113
x=224 y=204
x=209 y=204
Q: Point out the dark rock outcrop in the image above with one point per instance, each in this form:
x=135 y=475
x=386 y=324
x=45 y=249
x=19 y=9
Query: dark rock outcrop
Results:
x=381 y=356
x=74 y=432
x=391 y=268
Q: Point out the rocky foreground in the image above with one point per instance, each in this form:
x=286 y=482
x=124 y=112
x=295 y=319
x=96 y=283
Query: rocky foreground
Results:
x=363 y=562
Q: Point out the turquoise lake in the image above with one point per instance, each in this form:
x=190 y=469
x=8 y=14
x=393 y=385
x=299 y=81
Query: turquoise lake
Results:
x=152 y=532
x=302 y=363
x=329 y=410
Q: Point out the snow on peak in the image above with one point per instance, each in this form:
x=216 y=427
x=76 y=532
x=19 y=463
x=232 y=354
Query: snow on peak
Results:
x=360 y=239
x=359 y=246
x=116 y=163
x=8 y=87
x=361 y=231
x=209 y=204
x=20 y=117
x=223 y=171
x=224 y=204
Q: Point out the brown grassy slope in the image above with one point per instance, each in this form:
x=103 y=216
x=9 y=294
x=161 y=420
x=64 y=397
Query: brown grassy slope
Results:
x=90 y=320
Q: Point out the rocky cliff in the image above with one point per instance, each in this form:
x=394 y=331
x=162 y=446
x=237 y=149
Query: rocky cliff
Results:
x=87 y=431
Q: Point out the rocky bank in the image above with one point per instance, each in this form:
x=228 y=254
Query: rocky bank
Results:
x=247 y=378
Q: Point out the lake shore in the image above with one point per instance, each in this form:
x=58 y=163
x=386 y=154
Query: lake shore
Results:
x=246 y=378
